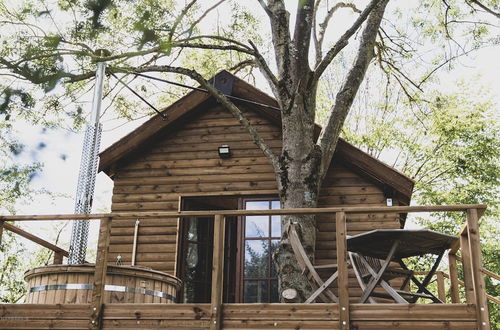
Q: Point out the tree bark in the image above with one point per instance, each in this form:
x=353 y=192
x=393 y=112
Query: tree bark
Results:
x=303 y=162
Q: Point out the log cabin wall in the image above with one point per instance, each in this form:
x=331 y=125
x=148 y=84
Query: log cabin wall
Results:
x=186 y=162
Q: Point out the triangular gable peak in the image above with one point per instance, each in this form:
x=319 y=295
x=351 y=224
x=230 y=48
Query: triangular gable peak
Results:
x=391 y=181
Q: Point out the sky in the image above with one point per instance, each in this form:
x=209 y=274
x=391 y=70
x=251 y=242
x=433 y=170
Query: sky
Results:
x=59 y=150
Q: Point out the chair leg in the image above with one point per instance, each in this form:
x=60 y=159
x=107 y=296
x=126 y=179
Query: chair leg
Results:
x=323 y=287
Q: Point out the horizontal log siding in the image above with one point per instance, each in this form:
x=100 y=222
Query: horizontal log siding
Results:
x=186 y=162
x=241 y=316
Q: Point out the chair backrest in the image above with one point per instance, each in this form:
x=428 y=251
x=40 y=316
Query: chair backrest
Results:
x=300 y=254
x=308 y=269
x=374 y=263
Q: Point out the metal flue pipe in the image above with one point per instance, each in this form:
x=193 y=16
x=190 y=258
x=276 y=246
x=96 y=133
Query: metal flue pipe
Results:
x=88 y=172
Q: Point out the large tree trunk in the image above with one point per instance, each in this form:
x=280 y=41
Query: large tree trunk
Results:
x=304 y=162
x=299 y=183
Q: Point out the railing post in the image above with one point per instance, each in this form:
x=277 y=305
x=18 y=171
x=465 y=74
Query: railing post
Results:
x=217 y=273
x=100 y=274
x=440 y=285
x=341 y=233
x=477 y=265
x=454 y=293
x=466 y=265
x=58 y=258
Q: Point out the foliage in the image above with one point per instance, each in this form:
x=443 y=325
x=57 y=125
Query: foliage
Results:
x=12 y=285
x=15 y=178
x=450 y=144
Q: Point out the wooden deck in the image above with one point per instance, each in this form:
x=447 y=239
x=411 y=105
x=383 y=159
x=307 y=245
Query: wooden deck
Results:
x=241 y=316
x=468 y=313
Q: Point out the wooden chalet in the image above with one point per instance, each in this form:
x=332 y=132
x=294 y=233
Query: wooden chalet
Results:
x=196 y=229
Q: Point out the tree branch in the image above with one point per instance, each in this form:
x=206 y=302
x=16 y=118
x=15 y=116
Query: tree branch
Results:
x=241 y=65
x=485 y=8
x=302 y=37
x=329 y=135
x=221 y=98
x=218 y=38
x=344 y=40
x=212 y=46
x=318 y=41
x=266 y=8
x=280 y=30
x=196 y=22
x=179 y=19
x=266 y=71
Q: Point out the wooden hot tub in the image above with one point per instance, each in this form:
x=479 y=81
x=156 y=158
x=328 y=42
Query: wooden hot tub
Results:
x=72 y=284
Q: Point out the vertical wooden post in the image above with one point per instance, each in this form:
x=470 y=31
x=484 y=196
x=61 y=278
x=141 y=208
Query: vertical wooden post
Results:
x=58 y=258
x=466 y=265
x=217 y=273
x=452 y=262
x=477 y=265
x=341 y=233
x=440 y=285
x=101 y=264
x=1 y=230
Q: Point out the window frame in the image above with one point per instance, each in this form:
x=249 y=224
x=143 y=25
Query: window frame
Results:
x=240 y=294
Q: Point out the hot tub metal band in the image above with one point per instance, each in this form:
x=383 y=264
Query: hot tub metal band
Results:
x=113 y=288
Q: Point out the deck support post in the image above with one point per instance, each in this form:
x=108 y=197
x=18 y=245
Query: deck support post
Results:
x=452 y=262
x=100 y=274
x=342 y=268
x=466 y=265
x=217 y=273
x=58 y=258
x=477 y=265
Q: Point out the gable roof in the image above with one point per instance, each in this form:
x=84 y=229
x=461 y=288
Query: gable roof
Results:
x=389 y=179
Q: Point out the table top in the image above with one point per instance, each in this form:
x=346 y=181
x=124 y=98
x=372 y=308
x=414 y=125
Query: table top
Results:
x=413 y=242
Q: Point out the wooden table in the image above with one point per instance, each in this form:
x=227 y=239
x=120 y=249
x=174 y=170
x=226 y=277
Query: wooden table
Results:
x=395 y=245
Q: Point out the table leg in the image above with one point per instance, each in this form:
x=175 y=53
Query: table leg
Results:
x=422 y=286
x=376 y=279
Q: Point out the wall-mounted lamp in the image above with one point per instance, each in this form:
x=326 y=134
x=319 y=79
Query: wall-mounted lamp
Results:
x=224 y=151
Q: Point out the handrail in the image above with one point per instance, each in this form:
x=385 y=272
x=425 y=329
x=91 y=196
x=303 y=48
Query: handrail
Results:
x=484 y=270
x=35 y=239
x=489 y=297
x=177 y=214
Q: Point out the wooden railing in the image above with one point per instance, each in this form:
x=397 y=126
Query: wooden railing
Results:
x=441 y=286
x=59 y=253
x=468 y=245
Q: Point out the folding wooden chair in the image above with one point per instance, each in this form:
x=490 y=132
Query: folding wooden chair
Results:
x=321 y=288
x=367 y=269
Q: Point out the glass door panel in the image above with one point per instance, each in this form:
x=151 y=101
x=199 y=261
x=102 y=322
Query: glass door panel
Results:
x=260 y=239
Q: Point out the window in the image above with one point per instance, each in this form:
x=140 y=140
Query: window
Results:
x=261 y=236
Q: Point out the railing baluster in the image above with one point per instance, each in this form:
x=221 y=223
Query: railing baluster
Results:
x=343 y=284
x=452 y=262
x=1 y=230
x=477 y=264
x=440 y=285
x=100 y=274
x=217 y=273
x=466 y=265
